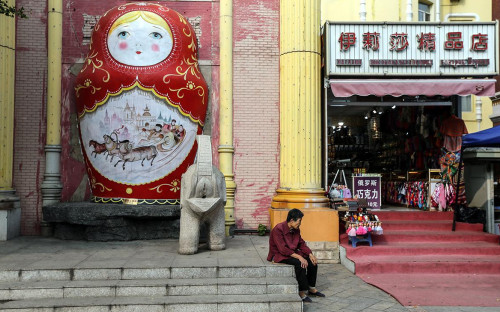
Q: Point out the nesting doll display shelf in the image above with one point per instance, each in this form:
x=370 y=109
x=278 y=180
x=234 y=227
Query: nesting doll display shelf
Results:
x=359 y=227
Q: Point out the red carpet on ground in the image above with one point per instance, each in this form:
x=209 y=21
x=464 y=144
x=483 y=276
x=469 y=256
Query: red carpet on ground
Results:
x=420 y=261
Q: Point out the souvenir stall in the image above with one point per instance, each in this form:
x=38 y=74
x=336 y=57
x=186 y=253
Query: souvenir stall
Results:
x=407 y=131
x=411 y=150
x=361 y=225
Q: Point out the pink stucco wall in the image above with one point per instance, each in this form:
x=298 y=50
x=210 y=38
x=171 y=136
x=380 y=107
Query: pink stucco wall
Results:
x=256 y=109
x=30 y=112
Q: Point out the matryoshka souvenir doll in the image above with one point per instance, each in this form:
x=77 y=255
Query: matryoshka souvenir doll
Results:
x=141 y=101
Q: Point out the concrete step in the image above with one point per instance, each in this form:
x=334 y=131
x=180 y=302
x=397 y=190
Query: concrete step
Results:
x=213 y=303
x=391 y=236
x=153 y=287
x=80 y=274
x=413 y=215
x=429 y=225
x=428 y=264
x=424 y=248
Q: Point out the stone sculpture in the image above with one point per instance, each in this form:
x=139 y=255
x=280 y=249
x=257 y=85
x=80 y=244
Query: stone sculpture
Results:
x=203 y=196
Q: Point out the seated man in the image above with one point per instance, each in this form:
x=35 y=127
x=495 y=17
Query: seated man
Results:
x=287 y=246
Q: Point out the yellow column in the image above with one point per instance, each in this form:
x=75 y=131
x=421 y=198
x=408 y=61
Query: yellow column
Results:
x=54 y=72
x=10 y=206
x=226 y=149
x=7 y=78
x=300 y=122
x=51 y=186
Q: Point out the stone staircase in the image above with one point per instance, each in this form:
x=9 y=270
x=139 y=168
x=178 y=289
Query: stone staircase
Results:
x=259 y=288
x=49 y=275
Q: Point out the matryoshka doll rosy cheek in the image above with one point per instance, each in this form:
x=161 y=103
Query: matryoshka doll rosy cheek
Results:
x=140 y=38
x=123 y=46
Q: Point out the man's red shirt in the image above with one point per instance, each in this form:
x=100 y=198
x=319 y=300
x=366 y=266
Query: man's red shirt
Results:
x=283 y=242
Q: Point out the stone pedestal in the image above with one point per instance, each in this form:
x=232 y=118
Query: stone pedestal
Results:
x=10 y=216
x=319 y=228
x=112 y=222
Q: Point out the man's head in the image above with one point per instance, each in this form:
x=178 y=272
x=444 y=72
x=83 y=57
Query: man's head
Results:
x=294 y=218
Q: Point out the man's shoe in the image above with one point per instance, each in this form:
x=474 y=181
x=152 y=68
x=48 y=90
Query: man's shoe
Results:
x=316 y=294
x=306 y=299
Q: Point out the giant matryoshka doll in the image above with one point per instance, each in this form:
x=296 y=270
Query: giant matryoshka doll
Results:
x=141 y=101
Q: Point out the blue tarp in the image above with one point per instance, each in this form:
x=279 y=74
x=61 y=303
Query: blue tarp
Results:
x=488 y=137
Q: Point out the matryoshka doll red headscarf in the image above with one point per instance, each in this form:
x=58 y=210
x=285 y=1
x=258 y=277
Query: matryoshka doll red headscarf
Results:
x=141 y=100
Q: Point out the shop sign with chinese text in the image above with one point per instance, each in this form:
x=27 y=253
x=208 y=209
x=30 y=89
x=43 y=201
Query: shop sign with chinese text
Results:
x=402 y=49
x=368 y=187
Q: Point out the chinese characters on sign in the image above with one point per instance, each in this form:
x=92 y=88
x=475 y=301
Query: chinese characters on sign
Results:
x=479 y=42
x=426 y=41
x=369 y=188
x=454 y=41
x=370 y=41
x=398 y=42
x=347 y=40
x=408 y=49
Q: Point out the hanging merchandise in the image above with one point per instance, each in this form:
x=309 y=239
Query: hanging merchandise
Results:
x=413 y=194
x=452 y=130
x=339 y=190
x=347 y=193
x=334 y=191
x=436 y=195
x=449 y=162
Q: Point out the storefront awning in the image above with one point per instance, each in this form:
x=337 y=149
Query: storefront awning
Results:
x=412 y=87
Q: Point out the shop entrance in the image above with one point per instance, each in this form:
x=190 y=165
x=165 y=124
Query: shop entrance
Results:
x=393 y=144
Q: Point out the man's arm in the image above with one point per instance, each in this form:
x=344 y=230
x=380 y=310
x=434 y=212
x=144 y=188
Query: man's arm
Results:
x=302 y=246
x=303 y=262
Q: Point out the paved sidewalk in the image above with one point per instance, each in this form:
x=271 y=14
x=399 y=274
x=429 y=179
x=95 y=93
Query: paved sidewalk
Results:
x=345 y=291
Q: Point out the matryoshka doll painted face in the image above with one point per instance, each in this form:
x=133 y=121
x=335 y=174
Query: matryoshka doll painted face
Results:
x=140 y=76
x=140 y=38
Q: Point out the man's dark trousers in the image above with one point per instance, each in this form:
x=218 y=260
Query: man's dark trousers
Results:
x=305 y=277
